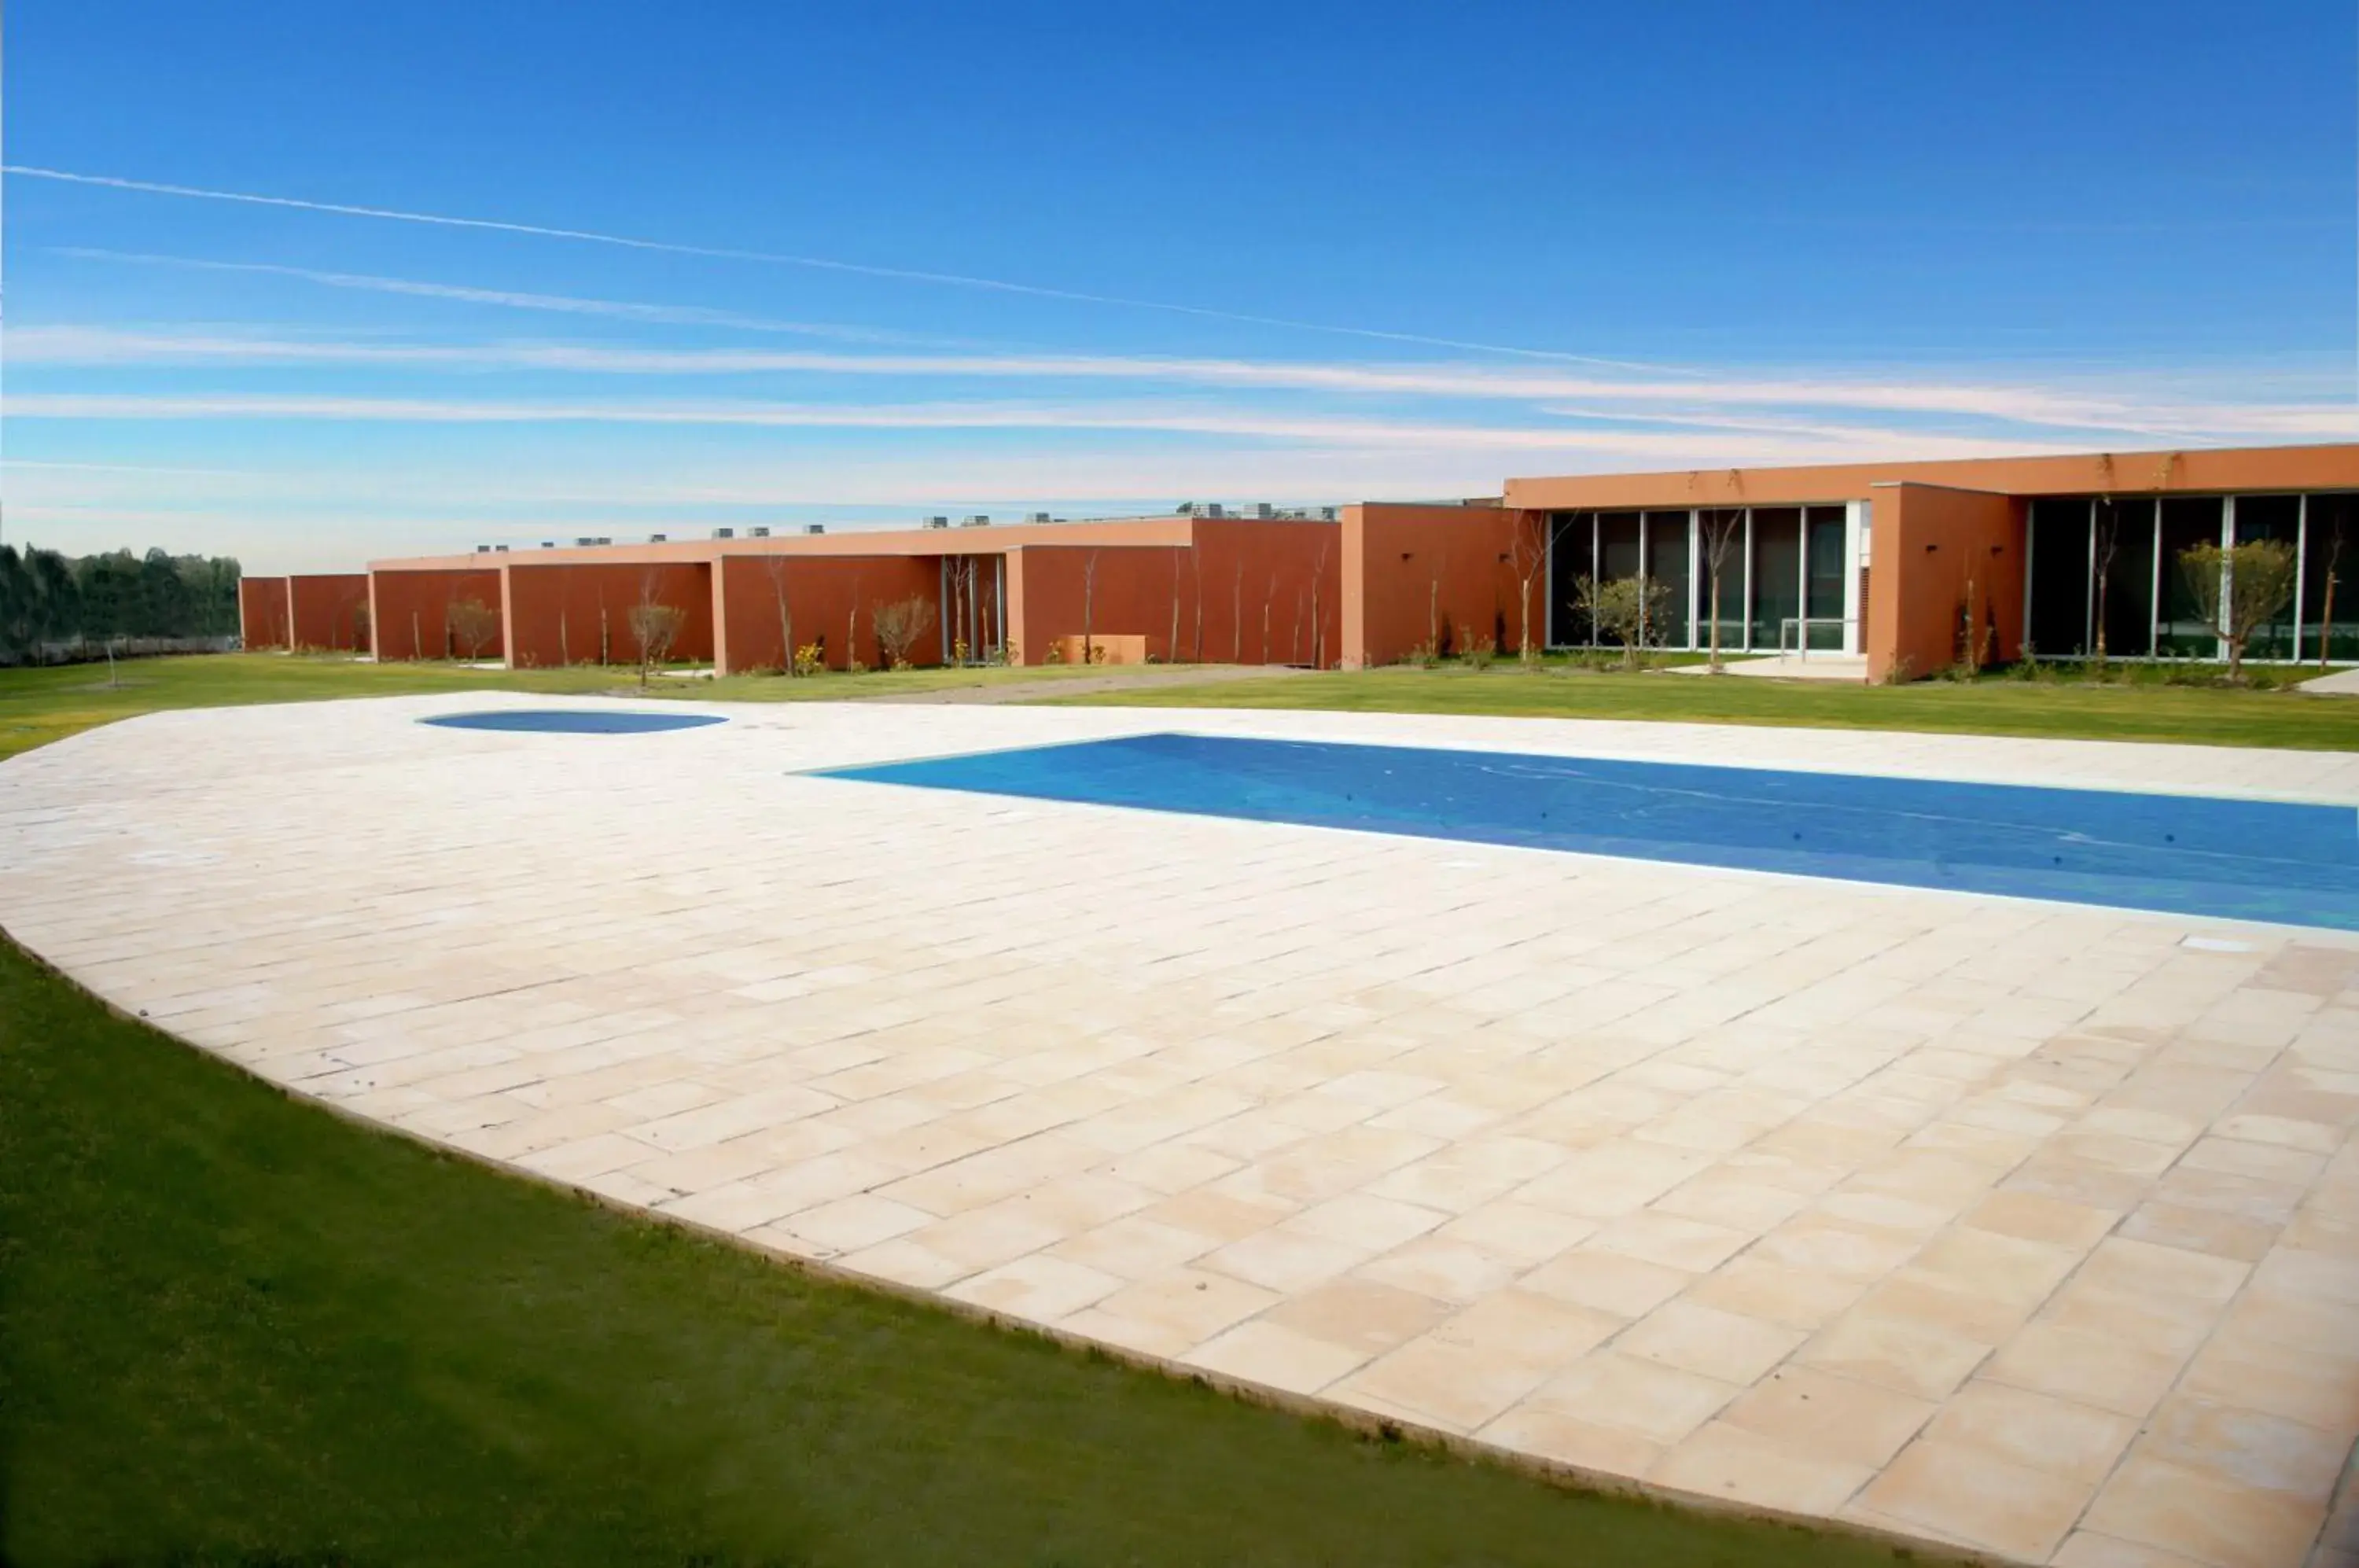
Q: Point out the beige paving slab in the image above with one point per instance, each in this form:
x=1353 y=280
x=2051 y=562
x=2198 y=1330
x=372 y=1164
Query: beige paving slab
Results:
x=2027 y=1227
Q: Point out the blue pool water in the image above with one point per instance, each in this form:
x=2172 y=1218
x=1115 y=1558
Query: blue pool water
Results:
x=569 y=721
x=2228 y=859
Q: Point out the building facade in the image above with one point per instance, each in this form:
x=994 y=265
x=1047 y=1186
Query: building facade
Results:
x=1903 y=568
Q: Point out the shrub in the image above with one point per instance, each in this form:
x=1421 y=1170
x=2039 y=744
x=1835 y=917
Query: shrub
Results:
x=810 y=659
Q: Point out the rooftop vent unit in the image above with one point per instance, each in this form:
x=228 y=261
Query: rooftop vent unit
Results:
x=936 y=522
x=977 y=520
x=724 y=533
x=1039 y=517
x=1264 y=510
x=548 y=544
x=584 y=540
x=657 y=539
x=500 y=548
x=1327 y=513
x=814 y=528
x=603 y=539
x=1212 y=509
x=482 y=549
x=759 y=533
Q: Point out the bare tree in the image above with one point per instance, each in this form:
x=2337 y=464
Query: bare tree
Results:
x=1172 y=649
x=1721 y=526
x=2326 y=619
x=474 y=624
x=1238 y=616
x=1268 y=597
x=1528 y=554
x=1317 y=610
x=1629 y=609
x=1089 y=607
x=852 y=629
x=1196 y=585
x=2239 y=589
x=775 y=566
x=654 y=624
x=564 y=651
x=899 y=626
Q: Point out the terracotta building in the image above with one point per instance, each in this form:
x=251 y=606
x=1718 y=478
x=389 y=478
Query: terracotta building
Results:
x=1903 y=567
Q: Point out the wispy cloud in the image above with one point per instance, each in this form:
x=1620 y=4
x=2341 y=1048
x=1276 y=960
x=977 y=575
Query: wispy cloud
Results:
x=828 y=263
x=1184 y=420
x=1706 y=401
x=563 y=304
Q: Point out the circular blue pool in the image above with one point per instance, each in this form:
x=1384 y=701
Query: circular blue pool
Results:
x=574 y=721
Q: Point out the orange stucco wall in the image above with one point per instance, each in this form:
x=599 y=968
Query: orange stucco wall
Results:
x=829 y=598
x=262 y=612
x=407 y=609
x=330 y=610
x=1257 y=592
x=1933 y=552
x=1412 y=567
x=581 y=613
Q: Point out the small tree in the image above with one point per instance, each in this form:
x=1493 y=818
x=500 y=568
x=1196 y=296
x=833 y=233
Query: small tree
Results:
x=2239 y=589
x=473 y=624
x=1721 y=527
x=899 y=626
x=1528 y=553
x=1629 y=609
x=2326 y=618
x=655 y=624
x=776 y=565
x=1089 y=607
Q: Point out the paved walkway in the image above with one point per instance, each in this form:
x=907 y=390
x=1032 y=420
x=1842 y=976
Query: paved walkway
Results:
x=2029 y=1227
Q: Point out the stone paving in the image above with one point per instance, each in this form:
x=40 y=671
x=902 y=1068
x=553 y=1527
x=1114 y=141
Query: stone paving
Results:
x=2027 y=1227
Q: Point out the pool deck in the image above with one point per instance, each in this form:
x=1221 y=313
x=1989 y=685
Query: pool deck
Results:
x=2030 y=1228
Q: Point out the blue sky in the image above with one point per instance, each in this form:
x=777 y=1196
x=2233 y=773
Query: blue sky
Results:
x=907 y=259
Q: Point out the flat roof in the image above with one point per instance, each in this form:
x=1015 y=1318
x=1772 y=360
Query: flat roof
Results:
x=2186 y=469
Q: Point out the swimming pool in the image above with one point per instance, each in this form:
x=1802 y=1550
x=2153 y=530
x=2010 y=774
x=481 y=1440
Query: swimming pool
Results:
x=2257 y=860
x=573 y=721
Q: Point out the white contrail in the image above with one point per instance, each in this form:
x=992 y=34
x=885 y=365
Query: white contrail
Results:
x=865 y=270
x=564 y=304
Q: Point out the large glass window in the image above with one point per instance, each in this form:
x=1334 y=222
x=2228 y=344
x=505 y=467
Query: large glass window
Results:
x=1824 y=585
x=2059 y=577
x=1667 y=563
x=2187 y=521
x=2330 y=577
x=1617 y=553
x=1776 y=571
x=2275 y=518
x=1573 y=540
x=2125 y=577
x=1720 y=563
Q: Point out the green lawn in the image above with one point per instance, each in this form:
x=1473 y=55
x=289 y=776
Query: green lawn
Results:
x=237 y=1329
x=2140 y=712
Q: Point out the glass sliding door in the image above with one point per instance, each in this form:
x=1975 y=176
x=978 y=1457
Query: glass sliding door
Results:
x=2330 y=577
x=2124 y=612
x=1776 y=572
x=2059 y=623
x=2277 y=518
x=2182 y=631
x=1720 y=562
x=1667 y=563
x=1822 y=589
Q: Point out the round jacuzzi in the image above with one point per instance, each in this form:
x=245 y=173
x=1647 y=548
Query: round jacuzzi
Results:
x=574 y=721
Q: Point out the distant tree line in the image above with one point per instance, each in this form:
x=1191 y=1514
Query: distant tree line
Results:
x=47 y=600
